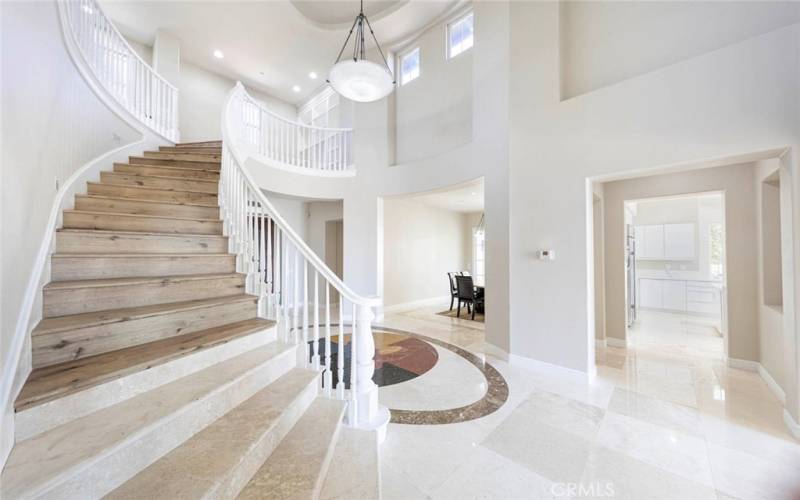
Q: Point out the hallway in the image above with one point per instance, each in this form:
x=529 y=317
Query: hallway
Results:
x=657 y=422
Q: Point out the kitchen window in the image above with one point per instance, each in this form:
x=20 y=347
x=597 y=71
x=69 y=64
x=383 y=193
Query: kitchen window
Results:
x=479 y=256
x=459 y=36
x=409 y=66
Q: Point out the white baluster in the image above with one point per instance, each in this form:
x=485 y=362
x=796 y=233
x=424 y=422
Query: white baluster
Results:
x=340 y=354
x=352 y=407
x=305 y=308
x=327 y=376
x=315 y=351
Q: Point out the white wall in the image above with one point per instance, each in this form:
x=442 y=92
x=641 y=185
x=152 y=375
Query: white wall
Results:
x=421 y=245
x=434 y=111
x=770 y=316
x=201 y=96
x=52 y=123
x=604 y=43
x=293 y=210
x=739 y=99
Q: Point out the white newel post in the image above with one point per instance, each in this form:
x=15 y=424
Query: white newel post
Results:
x=371 y=415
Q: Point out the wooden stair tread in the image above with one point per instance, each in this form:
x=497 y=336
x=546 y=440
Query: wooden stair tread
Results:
x=74 y=321
x=176 y=168
x=141 y=216
x=131 y=186
x=72 y=284
x=216 y=144
x=55 y=381
x=154 y=202
x=185 y=160
x=165 y=177
x=112 y=232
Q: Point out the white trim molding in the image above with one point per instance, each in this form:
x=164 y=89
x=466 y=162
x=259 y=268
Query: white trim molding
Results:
x=615 y=342
x=776 y=389
x=791 y=424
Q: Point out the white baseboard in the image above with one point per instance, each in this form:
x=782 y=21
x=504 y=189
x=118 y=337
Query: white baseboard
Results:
x=615 y=342
x=408 y=306
x=599 y=343
x=543 y=366
x=493 y=350
x=744 y=364
x=773 y=386
x=755 y=366
x=791 y=424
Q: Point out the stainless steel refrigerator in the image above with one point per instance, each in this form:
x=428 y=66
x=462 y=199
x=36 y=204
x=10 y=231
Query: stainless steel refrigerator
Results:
x=630 y=272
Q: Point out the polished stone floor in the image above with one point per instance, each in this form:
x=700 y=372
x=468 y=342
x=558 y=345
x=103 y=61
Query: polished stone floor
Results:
x=664 y=419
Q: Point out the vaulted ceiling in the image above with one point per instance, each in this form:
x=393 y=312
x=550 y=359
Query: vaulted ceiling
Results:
x=270 y=45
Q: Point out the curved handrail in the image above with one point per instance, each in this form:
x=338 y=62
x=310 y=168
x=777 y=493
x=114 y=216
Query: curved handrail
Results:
x=113 y=64
x=240 y=157
x=293 y=145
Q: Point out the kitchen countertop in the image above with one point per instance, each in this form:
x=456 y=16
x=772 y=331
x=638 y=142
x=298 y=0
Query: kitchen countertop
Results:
x=678 y=276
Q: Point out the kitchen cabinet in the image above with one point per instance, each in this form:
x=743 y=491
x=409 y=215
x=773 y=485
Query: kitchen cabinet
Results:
x=665 y=241
x=650 y=293
x=673 y=295
x=680 y=295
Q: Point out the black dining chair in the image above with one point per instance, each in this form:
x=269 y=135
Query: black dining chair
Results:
x=466 y=294
x=453 y=291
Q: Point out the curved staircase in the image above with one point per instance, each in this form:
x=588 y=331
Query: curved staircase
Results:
x=153 y=374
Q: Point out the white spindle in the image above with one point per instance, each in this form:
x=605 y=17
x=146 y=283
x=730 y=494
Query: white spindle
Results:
x=328 y=376
x=315 y=352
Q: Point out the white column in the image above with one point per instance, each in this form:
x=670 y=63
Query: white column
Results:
x=371 y=415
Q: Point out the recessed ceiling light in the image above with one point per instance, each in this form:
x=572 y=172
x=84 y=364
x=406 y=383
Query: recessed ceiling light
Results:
x=312 y=75
x=296 y=88
x=219 y=54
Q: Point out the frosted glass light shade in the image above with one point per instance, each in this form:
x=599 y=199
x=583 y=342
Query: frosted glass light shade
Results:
x=361 y=81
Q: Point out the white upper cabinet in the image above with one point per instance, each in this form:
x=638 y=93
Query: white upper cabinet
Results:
x=679 y=242
x=665 y=241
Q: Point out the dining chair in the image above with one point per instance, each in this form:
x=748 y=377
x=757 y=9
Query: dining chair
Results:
x=466 y=294
x=453 y=291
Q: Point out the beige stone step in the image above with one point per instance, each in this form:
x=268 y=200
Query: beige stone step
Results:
x=185 y=155
x=59 y=393
x=92 y=203
x=62 y=298
x=70 y=241
x=67 y=338
x=75 y=219
x=163 y=170
x=169 y=161
x=154 y=194
x=297 y=468
x=356 y=467
x=216 y=144
x=90 y=456
x=191 y=149
x=160 y=182
x=66 y=267
x=217 y=462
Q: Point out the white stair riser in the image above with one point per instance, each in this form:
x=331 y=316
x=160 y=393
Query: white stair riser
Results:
x=189 y=173
x=142 y=223
x=159 y=182
x=68 y=345
x=65 y=301
x=37 y=419
x=99 y=243
x=149 y=444
x=68 y=267
x=138 y=207
x=154 y=194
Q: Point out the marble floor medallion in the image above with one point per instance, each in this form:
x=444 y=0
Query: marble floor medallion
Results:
x=402 y=356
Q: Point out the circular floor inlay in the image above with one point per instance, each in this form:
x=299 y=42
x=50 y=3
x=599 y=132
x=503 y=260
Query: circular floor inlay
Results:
x=398 y=357
x=401 y=356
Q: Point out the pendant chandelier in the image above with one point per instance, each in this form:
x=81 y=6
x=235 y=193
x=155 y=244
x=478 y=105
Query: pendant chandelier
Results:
x=357 y=78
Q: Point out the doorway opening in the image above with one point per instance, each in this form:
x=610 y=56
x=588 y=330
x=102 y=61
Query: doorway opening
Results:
x=676 y=274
